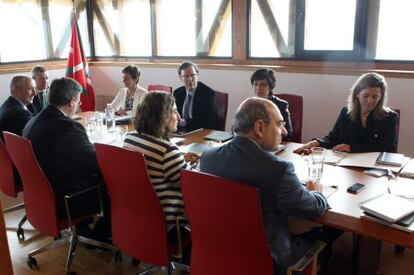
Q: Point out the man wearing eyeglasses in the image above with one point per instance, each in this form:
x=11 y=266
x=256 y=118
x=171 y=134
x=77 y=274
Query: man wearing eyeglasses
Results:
x=259 y=127
x=195 y=101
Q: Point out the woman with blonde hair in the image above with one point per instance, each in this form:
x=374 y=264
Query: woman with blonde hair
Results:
x=366 y=124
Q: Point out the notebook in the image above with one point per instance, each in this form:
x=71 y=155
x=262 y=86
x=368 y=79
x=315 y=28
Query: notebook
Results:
x=403 y=227
x=279 y=149
x=408 y=170
x=389 y=207
x=393 y=159
x=181 y=132
x=219 y=136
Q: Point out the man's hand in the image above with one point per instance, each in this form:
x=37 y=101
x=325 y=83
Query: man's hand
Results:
x=191 y=157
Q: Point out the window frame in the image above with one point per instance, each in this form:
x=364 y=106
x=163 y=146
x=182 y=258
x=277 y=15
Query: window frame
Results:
x=240 y=60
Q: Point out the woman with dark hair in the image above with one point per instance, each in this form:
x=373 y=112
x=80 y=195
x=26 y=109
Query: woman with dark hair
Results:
x=263 y=81
x=128 y=98
x=157 y=119
x=365 y=124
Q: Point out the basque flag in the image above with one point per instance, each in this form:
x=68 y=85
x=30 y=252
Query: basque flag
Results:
x=78 y=68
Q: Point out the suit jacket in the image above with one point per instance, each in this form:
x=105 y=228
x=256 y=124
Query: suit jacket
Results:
x=64 y=152
x=283 y=106
x=281 y=192
x=36 y=106
x=377 y=136
x=119 y=100
x=204 y=113
x=13 y=116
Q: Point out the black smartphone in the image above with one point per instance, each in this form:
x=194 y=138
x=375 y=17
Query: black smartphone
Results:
x=356 y=188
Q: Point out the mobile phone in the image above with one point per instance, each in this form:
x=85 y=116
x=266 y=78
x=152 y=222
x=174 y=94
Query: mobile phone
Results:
x=356 y=188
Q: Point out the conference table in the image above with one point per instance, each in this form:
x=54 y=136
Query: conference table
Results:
x=345 y=213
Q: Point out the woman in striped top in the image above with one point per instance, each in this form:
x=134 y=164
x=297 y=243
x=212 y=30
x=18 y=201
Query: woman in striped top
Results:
x=156 y=118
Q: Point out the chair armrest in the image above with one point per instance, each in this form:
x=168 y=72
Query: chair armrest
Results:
x=310 y=256
x=67 y=199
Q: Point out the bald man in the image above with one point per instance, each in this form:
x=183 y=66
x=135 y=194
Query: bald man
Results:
x=13 y=113
x=259 y=127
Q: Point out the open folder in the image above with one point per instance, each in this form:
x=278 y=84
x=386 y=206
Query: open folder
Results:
x=365 y=160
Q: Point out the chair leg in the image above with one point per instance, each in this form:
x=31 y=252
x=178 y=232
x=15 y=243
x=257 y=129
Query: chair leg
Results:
x=72 y=250
x=169 y=269
x=97 y=243
x=14 y=208
x=149 y=269
x=20 y=231
x=49 y=246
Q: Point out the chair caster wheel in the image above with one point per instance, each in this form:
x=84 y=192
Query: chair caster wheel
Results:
x=20 y=234
x=118 y=257
x=135 y=262
x=31 y=262
x=399 y=249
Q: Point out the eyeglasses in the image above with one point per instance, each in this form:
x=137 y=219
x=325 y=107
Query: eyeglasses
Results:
x=187 y=77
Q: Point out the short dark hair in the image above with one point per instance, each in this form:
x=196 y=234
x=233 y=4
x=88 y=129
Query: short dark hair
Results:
x=185 y=65
x=152 y=114
x=250 y=111
x=132 y=70
x=264 y=74
x=62 y=90
x=38 y=68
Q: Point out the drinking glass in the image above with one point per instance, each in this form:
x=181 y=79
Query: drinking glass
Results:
x=315 y=164
x=122 y=130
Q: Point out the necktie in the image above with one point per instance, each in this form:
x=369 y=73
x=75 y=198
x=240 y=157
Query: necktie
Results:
x=187 y=102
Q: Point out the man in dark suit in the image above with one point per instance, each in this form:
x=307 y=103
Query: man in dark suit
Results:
x=40 y=75
x=13 y=113
x=259 y=127
x=196 y=102
x=63 y=149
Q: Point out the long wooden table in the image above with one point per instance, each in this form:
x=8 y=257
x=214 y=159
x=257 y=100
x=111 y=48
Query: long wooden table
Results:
x=345 y=213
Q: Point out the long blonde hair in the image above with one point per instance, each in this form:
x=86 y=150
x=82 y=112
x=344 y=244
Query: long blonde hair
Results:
x=368 y=80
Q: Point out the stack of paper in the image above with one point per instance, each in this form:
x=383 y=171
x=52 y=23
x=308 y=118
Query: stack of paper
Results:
x=408 y=170
x=389 y=207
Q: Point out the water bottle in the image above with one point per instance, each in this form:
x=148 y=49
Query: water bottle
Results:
x=110 y=118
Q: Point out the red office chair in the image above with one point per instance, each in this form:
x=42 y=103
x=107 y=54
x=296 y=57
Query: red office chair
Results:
x=40 y=201
x=222 y=104
x=227 y=231
x=138 y=221
x=164 y=88
x=296 y=114
x=10 y=184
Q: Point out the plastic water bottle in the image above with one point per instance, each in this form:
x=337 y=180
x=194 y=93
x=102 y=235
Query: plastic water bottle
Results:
x=110 y=118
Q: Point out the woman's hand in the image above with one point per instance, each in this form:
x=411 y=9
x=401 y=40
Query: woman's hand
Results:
x=191 y=157
x=342 y=147
x=121 y=112
x=305 y=149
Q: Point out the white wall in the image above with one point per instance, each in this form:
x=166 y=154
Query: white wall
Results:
x=323 y=95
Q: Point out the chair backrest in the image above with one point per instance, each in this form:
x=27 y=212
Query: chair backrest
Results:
x=296 y=114
x=39 y=198
x=7 y=177
x=138 y=221
x=398 y=125
x=160 y=87
x=227 y=230
x=222 y=104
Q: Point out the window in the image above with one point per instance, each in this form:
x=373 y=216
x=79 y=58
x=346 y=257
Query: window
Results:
x=272 y=28
x=395 y=38
x=40 y=31
x=122 y=28
x=329 y=25
x=195 y=28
